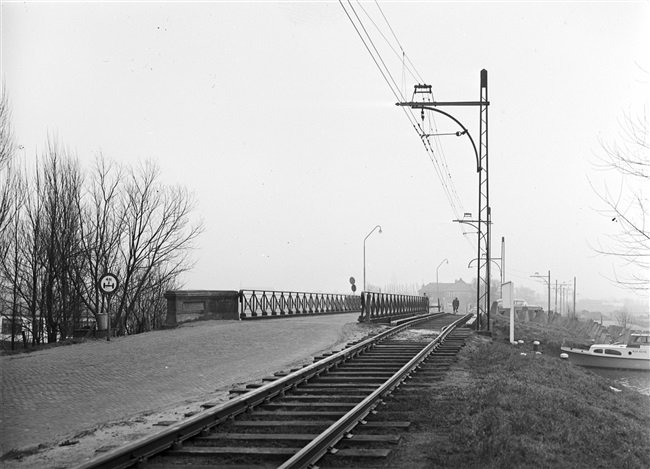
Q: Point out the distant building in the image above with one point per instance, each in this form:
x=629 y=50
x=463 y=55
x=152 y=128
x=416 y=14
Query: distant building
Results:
x=448 y=291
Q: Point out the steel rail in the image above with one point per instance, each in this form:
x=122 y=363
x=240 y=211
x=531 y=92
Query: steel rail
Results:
x=138 y=451
x=325 y=442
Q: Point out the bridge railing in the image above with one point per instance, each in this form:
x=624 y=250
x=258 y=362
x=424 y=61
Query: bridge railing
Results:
x=385 y=307
x=265 y=303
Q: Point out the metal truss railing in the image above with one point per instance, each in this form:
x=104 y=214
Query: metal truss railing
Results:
x=384 y=307
x=264 y=303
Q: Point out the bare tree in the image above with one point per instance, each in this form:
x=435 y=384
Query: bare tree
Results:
x=150 y=307
x=623 y=318
x=31 y=255
x=10 y=260
x=21 y=264
x=627 y=204
x=158 y=236
x=100 y=214
x=69 y=226
x=7 y=152
x=62 y=185
x=10 y=205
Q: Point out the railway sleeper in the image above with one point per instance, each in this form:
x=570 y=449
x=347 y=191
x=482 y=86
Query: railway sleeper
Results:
x=369 y=377
x=315 y=388
x=365 y=368
x=321 y=398
x=369 y=364
x=339 y=387
x=364 y=371
x=383 y=360
x=269 y=452
x=366 y=425
x=395 y=348
x=447 y=346
x=332 y=390
x=311 y=414
x=308 y=405
x=355 y=438
x=401 y=346
x=389 y=354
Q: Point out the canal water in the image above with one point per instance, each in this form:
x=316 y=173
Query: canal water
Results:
x=638 y=380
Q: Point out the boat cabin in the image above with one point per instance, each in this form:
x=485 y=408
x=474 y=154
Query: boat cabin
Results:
x=637 y=340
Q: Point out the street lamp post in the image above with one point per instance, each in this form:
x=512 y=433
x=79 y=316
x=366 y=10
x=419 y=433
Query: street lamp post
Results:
x=364 y=254
x=437 y=285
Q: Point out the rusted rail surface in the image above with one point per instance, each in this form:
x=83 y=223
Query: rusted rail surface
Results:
x=300 y=417
x=267 y=303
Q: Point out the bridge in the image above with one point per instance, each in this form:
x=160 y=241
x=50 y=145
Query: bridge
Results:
x=184 y=305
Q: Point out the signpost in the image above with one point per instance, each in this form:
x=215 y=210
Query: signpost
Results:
x=507 y=295
x=108 y=284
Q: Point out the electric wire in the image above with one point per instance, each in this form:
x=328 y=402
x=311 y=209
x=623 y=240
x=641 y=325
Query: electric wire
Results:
x=413 y=73
x=455 y=200
x=420 y=79
x=394 y=85
x=443 y=159
x=441 y=167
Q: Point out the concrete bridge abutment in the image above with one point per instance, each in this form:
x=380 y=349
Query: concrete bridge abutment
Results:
x=187 y=305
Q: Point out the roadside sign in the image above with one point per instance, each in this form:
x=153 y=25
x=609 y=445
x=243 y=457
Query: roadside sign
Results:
x=108 y=283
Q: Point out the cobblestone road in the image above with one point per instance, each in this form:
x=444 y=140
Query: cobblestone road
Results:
x=52 y=393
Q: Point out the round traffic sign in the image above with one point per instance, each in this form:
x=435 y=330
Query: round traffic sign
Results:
x=108 y=283
x=352 y=280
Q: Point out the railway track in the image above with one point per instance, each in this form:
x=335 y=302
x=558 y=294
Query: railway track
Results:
x=327 y=414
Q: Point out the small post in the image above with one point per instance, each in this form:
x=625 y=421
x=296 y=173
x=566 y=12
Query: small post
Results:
x=507 y=293
x=108 y=320
x=107 y=284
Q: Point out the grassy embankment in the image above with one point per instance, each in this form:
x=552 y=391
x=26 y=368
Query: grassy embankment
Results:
x=500 y=409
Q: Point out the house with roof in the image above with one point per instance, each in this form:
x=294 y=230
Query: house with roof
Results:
x=460 y=289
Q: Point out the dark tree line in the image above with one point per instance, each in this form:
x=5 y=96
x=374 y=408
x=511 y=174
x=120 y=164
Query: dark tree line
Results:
x=63 y=225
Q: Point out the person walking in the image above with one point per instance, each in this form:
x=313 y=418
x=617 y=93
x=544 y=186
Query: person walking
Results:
x=455 y=304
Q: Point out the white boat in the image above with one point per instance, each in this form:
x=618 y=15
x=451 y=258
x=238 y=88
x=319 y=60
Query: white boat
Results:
x=635 y=355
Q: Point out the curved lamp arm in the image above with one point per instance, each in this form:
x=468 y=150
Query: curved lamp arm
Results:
x=373 y=230
x=465 y=131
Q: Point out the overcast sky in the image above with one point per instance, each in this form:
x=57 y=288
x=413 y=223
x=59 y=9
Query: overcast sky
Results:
x=277 y=118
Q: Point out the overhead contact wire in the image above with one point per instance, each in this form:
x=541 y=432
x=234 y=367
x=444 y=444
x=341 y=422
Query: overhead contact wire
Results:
x=440 y=168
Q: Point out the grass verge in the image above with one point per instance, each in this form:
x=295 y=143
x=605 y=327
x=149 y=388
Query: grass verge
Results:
x=498 y=408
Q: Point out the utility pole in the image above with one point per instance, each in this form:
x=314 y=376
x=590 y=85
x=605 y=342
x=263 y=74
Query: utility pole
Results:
x=548 y=281
x=484 y=210
x=503 y=265
x=549 y=291
x=574 y=295
x=564 y=304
